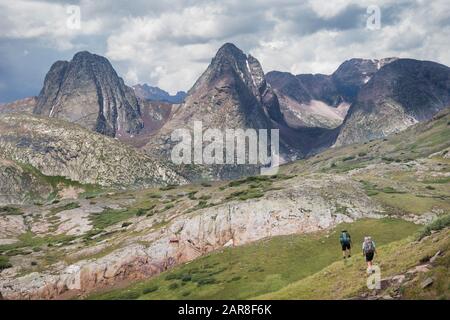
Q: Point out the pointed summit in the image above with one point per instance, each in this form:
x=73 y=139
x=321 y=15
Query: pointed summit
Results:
x=229 y=49
x=231 y=94
x=88 y=91
x=234 y=75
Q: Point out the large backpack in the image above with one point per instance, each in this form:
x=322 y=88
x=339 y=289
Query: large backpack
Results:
x=369 y=247
x=344 y=238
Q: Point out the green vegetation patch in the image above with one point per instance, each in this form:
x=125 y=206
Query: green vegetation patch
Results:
x=410 y=203
x=168 y=187
x=90 y=190
x=245 y=194
x=10 y=210
x=69 y=206
x=109 y=217
x=29 y=241
x=436 y=225
x=4 y=263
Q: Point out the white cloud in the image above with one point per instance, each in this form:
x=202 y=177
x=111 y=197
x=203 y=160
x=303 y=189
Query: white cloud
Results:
x=329 y=9
x=170 y=43
x=415 y=34
x=172 y=49
x=21 y=19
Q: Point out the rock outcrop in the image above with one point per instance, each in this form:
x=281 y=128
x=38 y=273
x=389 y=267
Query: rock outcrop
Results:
x=59 y=148
x=19 y=185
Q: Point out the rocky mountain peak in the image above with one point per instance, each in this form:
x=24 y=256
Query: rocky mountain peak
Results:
x=354 y=73
x=88 y=91
x=402 y=93
x=230 y=50
x=232 y=93
x=231 y=63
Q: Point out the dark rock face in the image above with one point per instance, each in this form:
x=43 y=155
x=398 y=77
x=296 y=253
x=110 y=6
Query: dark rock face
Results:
x=402 y=93
x=89 y=92
x=354 y=73
x=231 y=93
x=321 y=87
x=149 y=93
x=235 y=84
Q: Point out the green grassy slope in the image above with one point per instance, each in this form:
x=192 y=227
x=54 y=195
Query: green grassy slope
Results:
x=344 y=280
x=407 y=172
x=261 y=267
x=418 y=141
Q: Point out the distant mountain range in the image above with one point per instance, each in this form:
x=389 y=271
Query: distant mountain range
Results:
x=318 y=100
x=146 y=92
x=362 y=100
x=399 y=95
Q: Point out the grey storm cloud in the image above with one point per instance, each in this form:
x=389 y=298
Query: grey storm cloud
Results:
x=170 y=43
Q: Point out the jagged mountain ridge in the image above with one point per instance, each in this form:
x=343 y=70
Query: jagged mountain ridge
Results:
x=233 y=93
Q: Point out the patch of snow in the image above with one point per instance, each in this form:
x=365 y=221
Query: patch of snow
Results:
x=51 y=111
x=250 y=72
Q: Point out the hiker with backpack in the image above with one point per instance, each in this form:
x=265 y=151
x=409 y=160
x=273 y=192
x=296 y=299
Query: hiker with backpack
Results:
x=346 y=243
x=369 y=251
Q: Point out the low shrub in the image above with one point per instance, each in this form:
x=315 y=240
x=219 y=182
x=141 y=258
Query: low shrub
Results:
x=436 y=225
x=9 y=210
x=150 y=289
x=168 y=187
x=141 y=212
x=186 y=278
x=4 y=263
x=203 y=282
x=173 y=286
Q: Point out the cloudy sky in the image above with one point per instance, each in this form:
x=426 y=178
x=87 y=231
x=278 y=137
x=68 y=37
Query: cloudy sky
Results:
x=170 y=43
